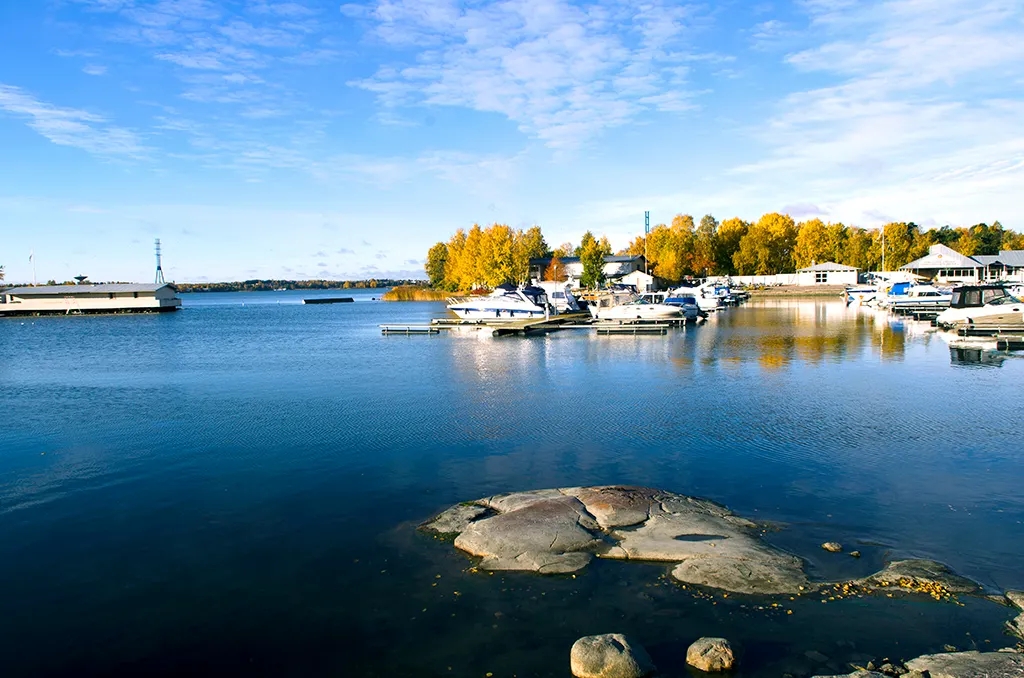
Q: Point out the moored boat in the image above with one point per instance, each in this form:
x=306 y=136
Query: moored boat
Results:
x=506 y=302
x=626 y=306
x=981 y=306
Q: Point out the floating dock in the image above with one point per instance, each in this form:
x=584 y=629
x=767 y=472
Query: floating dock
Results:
x=329 y=300
x=534 y=326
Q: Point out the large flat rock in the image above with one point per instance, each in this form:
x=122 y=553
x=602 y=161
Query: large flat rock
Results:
x=562 y=530
x=552 y=531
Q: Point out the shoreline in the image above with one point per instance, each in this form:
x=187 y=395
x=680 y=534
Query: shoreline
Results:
x=784 y=291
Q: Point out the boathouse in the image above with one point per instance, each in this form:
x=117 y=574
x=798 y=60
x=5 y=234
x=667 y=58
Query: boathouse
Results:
x=91 y=298
x=615 y=266
x=827 y=273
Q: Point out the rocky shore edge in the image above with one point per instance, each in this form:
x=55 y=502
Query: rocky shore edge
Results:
x=561 y=530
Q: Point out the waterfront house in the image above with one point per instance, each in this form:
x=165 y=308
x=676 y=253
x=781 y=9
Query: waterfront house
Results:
x=91 y=298
x=827 y=273
x=945 y=265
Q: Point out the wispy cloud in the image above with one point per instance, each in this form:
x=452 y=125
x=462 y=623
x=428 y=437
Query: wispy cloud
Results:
x=562 y=71
x=70 y=126
x=920 y=107
x=95 y=69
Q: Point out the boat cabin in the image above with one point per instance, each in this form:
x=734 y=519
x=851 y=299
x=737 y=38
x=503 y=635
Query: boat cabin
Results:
x=976 y=296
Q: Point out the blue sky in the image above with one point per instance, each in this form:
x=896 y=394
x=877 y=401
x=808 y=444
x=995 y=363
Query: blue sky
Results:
x=318 y=139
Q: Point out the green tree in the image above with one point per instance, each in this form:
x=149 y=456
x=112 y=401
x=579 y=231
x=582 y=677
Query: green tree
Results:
x=767 y=247
x=437 y=259
x=859 y=250
x=730 y=233
x=705 y=246
x=899 y=241
x=592 y=253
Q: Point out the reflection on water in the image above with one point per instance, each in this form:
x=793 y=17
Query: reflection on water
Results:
x=975 y=357
x=236 y=486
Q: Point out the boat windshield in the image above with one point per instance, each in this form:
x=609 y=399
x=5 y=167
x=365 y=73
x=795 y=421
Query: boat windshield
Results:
x=1004 y=300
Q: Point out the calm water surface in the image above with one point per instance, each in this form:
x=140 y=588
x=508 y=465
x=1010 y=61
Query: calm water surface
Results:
x=235 y=488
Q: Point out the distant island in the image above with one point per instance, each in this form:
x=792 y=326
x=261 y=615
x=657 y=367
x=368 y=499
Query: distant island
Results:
x=276 y=285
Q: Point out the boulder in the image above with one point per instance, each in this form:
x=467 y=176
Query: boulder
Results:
x=971 y=664
x=832 y=547
x=1016 y=598
x=610 y=655
x=711 y=655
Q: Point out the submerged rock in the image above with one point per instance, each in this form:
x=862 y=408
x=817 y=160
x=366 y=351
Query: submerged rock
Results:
x=711 y=655
x=610 y=655
x=552 y=531
x=924 y=576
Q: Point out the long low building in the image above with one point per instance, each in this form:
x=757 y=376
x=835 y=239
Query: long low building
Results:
x=89 y=298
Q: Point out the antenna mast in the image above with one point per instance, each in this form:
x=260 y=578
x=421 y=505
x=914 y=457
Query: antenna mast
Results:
x=159 y=270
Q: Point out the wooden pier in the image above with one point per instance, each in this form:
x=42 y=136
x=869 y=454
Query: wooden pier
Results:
x=535 y=326
x=329 y=300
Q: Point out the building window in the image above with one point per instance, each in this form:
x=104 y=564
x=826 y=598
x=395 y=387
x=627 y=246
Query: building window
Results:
x=820 y=278
x=135 y=294
x=111 y=295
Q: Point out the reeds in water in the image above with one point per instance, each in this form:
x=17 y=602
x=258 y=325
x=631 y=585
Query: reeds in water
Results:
x=414 y=293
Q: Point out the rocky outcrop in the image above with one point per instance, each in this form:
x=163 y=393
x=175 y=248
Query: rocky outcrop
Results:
x=970 y=665
x=1016 y=598
x=1002 y=664
x=551 y=531
x=711 y=655
x=921 y=576
x=562 y=530
x=610 y=655
x=1016 y=626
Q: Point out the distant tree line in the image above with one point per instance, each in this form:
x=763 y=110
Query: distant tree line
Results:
x=775 y=243
x=268 y=285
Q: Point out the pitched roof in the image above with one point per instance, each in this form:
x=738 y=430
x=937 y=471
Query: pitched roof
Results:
x=828 y=266
x=63 y=290
x=940 y=256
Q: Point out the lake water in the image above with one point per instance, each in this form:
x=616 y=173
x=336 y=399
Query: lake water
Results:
x=235 y=488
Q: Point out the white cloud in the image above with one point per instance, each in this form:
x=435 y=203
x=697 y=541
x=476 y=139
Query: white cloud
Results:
x=563 y=72
x=93 y=69
x=70 y=126
x=922 y=118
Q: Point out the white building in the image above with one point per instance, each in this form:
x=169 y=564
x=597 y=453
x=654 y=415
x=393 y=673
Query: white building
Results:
x=78 y=299
x=615 y=267
x=827 y=273
x=946 y=265
x=643 y=282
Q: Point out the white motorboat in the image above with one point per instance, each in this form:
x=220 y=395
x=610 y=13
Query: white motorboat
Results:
x=919 y=297
x=686 y=300
x=560 y=295
x=912 y=295
x=981 y=306
x=507 y=302
x=706 y=295
x=860 y=295
x=626 y=306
